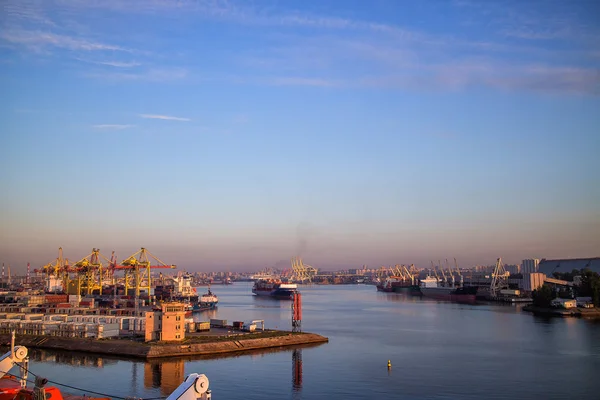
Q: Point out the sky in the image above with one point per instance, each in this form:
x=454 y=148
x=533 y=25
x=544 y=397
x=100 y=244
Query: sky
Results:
x=233 y=135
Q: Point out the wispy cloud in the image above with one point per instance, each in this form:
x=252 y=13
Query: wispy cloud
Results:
x=165 y=117
x=333 y=51
x=24 y=10
x=112 y=126
x=532 y=78
x=119 y=64
x=300 y=81
x=39 y=39
x=150 y=75
x=111 y=63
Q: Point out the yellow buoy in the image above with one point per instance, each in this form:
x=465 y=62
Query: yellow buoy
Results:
x=389 y=364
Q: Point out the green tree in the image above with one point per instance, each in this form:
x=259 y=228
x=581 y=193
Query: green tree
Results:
x=590 y=286
x=543 y=296
x=566 y=276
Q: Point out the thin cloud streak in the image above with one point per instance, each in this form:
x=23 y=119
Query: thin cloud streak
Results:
x=110 y=63
x=164 y=117
x=26 y=11
x=39 y=39
x=300 y=81
x=112 y=126
x=151 y=75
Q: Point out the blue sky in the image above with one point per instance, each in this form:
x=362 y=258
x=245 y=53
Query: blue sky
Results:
x=235 y=135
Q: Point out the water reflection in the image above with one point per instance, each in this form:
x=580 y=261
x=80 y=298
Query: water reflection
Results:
x=166 y=375
x=438 y=350
x=297 y=370
x=74 y=359
x=204 y=315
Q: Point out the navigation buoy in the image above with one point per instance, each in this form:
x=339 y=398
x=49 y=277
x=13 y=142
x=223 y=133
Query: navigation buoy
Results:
x=389 y=364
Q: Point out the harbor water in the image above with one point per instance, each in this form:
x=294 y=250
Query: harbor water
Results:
x=438 y=350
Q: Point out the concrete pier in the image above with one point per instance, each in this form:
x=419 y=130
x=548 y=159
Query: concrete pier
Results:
x=201 y=346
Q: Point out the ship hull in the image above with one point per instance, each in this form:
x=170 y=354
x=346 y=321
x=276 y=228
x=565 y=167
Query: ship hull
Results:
x=281 y=294
x=395 y=287
x=458 y=295
x=406 y=288
x=204 y=307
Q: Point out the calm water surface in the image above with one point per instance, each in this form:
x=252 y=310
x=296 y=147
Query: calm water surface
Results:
x=438 y=351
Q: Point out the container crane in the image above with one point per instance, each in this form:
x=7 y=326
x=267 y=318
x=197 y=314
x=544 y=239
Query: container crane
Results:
x=137 y=267
x=302 y=272
x=89 y=274
x=58 y=269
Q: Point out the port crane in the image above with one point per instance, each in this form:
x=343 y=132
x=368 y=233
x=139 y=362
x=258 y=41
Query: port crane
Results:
x=137 y=268
x=499 y=279
x=89 y=274
x=59 y=269
x=302 y=272
x=459 y=273
x=450 y=273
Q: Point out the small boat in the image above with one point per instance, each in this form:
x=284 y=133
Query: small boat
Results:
x=207 y=301
x=274 y=288
x=13 y=387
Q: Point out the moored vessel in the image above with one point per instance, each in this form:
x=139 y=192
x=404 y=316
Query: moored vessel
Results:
x=395 y=284
x=274 y=288
x=430 y=287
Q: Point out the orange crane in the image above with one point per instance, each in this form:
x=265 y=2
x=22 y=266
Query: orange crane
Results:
x=138 y=268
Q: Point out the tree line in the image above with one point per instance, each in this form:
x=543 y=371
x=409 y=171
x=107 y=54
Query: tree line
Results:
x=589 y=287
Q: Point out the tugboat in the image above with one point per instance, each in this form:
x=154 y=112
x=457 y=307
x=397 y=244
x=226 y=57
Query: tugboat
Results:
x=274 y=288
x=208 y=301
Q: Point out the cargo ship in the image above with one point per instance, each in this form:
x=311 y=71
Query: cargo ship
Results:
x=429 y=287
x=395 y=284
x=274 y=288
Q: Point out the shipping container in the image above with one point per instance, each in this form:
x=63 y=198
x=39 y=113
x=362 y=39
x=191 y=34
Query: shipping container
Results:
x=202 y=326
x=218 y=322
x=238 y=324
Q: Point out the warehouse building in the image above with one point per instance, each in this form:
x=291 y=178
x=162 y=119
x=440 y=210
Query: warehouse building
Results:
x=548 y=267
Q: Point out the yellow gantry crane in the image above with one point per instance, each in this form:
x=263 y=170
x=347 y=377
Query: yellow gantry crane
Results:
x=90 y=273
x=302 y=272
x=137 y=269
x=58 y=269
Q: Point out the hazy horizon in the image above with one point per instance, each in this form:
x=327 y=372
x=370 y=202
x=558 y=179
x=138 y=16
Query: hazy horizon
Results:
x=233 y=135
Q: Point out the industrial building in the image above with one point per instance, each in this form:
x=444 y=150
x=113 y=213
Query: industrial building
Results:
x=530 y=266
x=168 y=324
x=548 y=267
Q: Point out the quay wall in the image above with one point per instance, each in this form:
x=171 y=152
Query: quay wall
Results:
x=231 y=346
x=587 y=313
x=128 y=348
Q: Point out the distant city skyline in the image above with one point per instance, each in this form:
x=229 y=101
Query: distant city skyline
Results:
x=235 y=135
